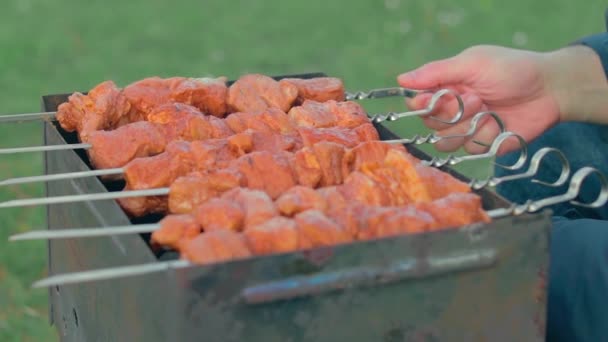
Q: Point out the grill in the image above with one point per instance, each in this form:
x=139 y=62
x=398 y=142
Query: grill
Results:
x=479 y=282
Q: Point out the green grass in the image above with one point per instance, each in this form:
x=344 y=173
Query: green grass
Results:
x=56 y=46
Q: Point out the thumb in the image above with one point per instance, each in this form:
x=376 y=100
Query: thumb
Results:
x=435 y=74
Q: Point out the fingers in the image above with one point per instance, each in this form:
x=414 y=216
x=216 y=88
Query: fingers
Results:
x=434 y=74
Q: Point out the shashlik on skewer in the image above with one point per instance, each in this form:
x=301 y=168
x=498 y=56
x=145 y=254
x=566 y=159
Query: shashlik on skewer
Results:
x=292 y=201
x=325 y=164
x=171 y=122
x=205 y=183
x=107 y=107
x=266 y=122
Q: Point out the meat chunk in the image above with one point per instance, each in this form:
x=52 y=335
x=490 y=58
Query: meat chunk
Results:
x=298 y=199
x=249 y=140
x=438 y=183
x=277 y=235
x=366 y=132
x=147 y=94
x=256 y=205
x=317 y=230
x=142 y=173
x=138 y=139
x=319 y=89
x=104 y=107
x=405 y=174
x=455 y=210
x=367 y=153
x=215 y=246
x=266 y=171
x=330 y=156
x=362 y=189
x=342 y=136
x=175 y=230
x=184 y=122
x=307 y=168
x=255 y=92
x=207 y=94
x=219 y=213
x=329 y=114
x=266 y=120
x=213 y=154
x=349 y=216
x=193 y=190
x=379 y=222
x=334 y=198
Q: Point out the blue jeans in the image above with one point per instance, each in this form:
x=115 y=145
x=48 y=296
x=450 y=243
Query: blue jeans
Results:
x=578 y=274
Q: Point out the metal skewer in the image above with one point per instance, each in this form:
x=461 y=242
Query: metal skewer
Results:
x=501 y=138
x=433 y=137
x=381 y=93
x=60 y=176
x=84 y=232
x=393 y=116
x=532 y=171
x=84 y=197
x=573 y=190
x=27 y=117
x=135 y=270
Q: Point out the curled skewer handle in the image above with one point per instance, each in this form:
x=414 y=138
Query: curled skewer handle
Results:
x=537 y=158
x=380 y=93
x=433 y=137
x=500 y=139
x=392 y=116
x=573 y=191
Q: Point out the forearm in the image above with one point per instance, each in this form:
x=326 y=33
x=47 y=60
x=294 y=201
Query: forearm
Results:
x=576 y=78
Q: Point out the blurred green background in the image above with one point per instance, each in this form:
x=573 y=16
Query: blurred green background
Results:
x=58 y=46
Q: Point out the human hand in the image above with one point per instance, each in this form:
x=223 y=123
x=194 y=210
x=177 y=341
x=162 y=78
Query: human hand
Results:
x=530 y=91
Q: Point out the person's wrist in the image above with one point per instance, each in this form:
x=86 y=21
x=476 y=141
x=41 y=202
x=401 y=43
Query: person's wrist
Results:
x=575 y=79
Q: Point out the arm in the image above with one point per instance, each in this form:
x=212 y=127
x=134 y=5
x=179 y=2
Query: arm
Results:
x=577 y=78
x=531 y=91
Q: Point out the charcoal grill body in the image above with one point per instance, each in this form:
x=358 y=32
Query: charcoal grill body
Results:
x=481 y=282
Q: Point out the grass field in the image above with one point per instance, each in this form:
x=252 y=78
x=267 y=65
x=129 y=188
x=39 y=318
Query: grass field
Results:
x=56 y=46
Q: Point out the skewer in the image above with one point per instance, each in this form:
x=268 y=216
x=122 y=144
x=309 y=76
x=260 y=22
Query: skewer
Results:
x=149 y=228
x=165 y=191
x=573 y=190
x=377 y=118
x=417 y=139
x=532 y=170
x=453 y=160
x=84 y=232
x=84 y=197
x=433 y=138
x=60 y=176
x=27 y=117
x=393 y=116
x=517 y=209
